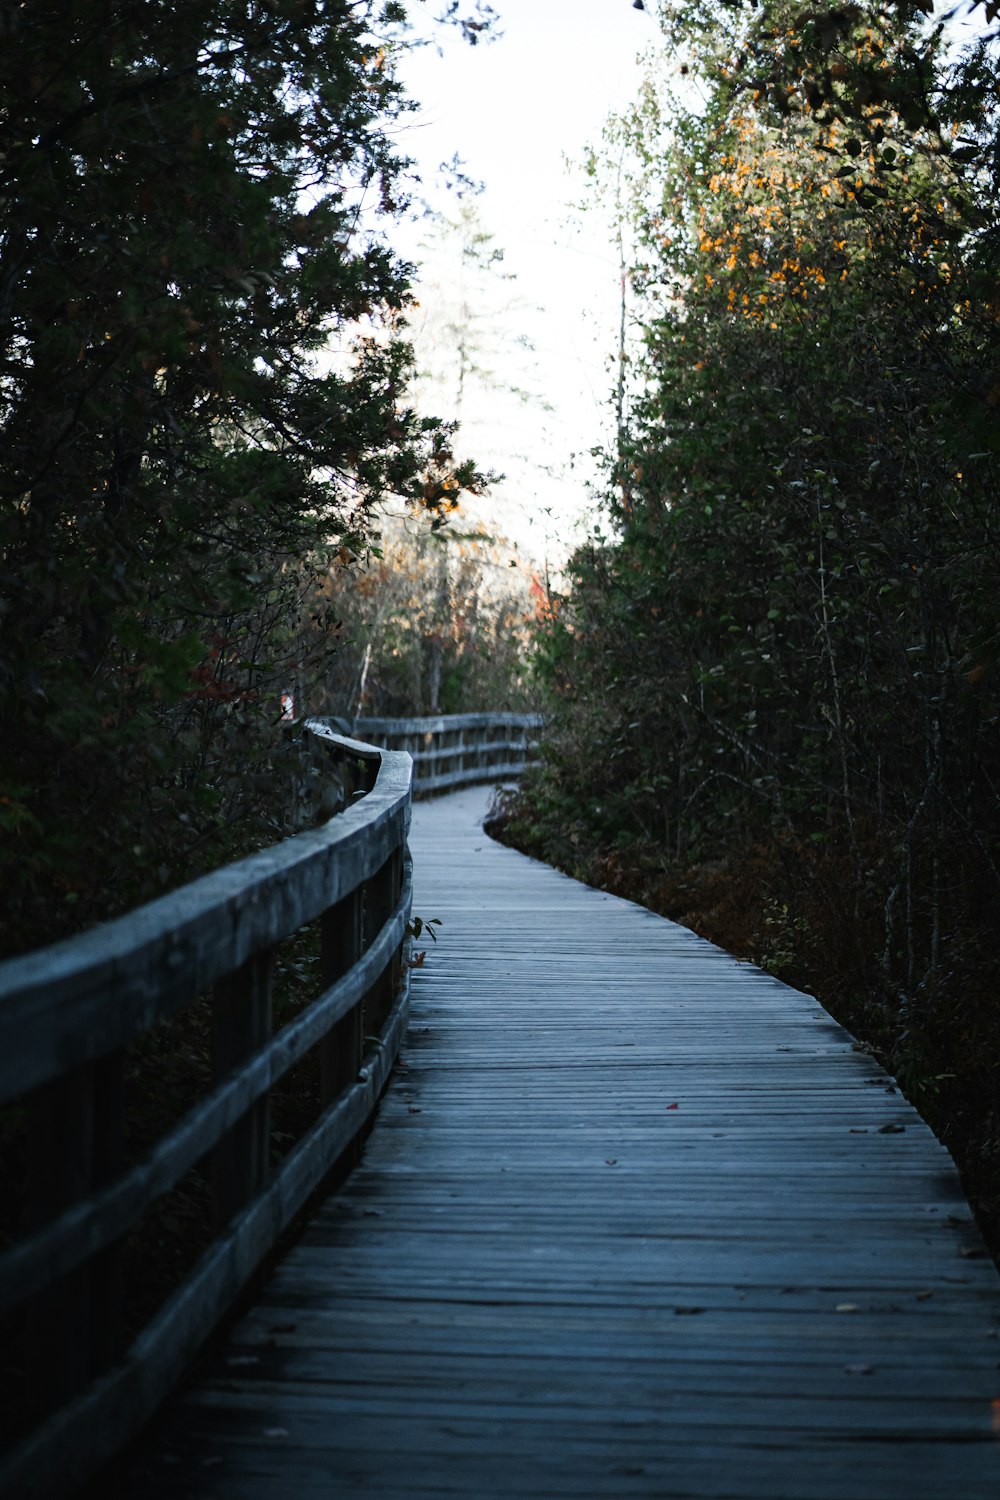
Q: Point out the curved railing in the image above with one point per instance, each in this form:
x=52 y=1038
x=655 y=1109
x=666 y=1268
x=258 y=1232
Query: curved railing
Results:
x=67 y=1014
x=453 y=750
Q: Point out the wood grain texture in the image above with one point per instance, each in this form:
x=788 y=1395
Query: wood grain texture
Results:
x=635 y=1220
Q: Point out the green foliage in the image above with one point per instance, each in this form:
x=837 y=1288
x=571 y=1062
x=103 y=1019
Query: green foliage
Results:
x=202 y=394
x=794 y=629
x=787 y=649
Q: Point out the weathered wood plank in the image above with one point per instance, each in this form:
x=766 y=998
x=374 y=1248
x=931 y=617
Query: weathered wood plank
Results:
x=544 y=1279
x=85 y=1392
x=97 y=1424
x=242 y=1018
x=76 y=1234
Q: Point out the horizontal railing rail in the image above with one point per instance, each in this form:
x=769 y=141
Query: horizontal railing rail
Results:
x=67 y=1015
x=453 y=750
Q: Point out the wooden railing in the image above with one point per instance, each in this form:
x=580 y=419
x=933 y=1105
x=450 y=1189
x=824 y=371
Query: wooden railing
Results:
x=69 y=1013
x=71 y=1017
x=454 y=750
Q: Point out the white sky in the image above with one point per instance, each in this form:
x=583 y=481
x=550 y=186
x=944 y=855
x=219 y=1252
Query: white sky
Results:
x=513 y=110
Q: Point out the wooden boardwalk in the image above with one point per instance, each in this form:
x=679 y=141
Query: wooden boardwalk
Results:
x=636 y=1220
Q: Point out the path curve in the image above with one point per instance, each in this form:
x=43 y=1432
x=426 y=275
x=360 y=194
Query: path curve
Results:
x=636 y=1220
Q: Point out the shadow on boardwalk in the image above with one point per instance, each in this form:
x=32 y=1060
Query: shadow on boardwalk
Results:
x=635 y=1220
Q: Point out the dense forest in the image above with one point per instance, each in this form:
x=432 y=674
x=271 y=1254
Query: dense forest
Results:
x=205 y=405
x=772 y=676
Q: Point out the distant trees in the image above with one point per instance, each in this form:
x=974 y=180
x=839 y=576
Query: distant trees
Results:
x=436 y=622
x=790 y=641
x=202 y=392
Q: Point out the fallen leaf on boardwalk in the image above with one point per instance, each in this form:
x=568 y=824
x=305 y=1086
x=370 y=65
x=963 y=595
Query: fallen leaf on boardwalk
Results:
x=673 y=1106
x=413 y=1110
x=282 y=1327
x=612 y=1161
x=891 y=1129
x=275 y=1432
x=923 y=1296
x=972 y=1252
x=243 y=1359
x=859 y=1369
x=846 y=1307
x=687 y=1312
x=859 y=1130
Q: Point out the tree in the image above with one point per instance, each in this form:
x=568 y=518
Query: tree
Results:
x=791 y=636
x=772 y=685
x=191 y=201
x=468 y=321
x=437 y=622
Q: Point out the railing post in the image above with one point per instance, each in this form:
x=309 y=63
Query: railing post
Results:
x=108 y=1335
x=241 y=1024
x=340 y=948
x=56 y=1328
x=381 y=895
x=75 y=1146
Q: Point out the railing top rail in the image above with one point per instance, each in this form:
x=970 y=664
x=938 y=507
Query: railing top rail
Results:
x=442 y=723
x=54 y=1010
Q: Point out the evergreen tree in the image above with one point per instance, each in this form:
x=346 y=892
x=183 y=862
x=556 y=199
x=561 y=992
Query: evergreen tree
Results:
x=202 y=385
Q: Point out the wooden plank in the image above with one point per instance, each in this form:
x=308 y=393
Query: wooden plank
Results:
x=67 y=1266
x=341 y=944
x=78 y=1233
x=381 y=896
x=57 y=1329
x=636 y=1219
x=89 y=1431
x=242 y=1016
